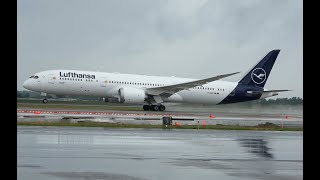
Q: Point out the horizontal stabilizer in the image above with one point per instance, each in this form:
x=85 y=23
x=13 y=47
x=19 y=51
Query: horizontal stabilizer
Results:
x=266 y=91
x=281 y=90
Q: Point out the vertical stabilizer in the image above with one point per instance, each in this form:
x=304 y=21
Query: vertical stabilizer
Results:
x=259 y=74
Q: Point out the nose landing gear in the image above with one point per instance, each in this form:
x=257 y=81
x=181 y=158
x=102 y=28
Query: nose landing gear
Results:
x=45 y=100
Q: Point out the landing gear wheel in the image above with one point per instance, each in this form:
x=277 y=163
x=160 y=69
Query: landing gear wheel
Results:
x=162 y=108
x=146 y=107
x=45 y=101
x=155 y=107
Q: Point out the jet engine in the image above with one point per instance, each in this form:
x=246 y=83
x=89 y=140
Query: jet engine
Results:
x=131 y=95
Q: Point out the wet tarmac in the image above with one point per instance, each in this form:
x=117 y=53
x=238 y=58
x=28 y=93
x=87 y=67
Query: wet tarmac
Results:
x=141 y=154
x=151 y=117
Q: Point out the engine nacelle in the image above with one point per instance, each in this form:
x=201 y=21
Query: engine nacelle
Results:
x=131 y=95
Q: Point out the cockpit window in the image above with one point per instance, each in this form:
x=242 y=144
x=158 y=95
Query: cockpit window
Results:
x=34 y=77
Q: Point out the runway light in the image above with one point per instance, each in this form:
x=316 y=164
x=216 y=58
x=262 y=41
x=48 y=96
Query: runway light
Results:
x=37 y=112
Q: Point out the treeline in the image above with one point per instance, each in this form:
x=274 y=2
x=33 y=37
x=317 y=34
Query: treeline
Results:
x=36 y=95
x=282 y=101
x=278 y=101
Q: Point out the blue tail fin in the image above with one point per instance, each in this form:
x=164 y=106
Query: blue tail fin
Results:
x=259 y=74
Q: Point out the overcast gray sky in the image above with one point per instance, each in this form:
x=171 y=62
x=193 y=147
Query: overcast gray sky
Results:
x=183 y=38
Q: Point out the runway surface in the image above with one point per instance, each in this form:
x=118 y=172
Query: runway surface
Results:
x=154 y=117
x=141 y=154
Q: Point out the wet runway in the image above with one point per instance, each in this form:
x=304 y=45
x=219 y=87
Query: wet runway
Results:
x=141 y=154
x=151 y=117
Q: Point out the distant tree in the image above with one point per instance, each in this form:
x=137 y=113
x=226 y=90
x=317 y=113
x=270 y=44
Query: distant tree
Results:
x=24 y=94
x=18 y=94
x=279 y=101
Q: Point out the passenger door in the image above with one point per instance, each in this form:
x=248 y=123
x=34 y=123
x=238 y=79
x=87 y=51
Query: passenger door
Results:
x=103 y=82
x=51 y=79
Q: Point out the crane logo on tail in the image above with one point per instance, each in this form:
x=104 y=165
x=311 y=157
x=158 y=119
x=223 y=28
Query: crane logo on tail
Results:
x=258 y=75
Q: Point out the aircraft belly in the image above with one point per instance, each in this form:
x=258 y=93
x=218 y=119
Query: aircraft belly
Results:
x=205 y=97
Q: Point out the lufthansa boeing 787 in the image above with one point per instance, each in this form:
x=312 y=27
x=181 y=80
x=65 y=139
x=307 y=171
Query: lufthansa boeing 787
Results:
x=153 y=91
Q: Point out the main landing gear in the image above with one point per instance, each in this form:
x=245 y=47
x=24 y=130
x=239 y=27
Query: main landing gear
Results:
x=154 y=107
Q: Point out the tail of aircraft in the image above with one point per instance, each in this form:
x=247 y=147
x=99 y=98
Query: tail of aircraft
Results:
x=251 y=85
x=259 y=74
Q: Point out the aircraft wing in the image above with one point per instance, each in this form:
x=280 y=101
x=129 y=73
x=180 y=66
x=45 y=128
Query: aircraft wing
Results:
x=167 y=91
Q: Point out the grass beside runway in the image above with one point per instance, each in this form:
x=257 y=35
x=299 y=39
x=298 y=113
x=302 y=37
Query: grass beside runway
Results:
x=263 y=127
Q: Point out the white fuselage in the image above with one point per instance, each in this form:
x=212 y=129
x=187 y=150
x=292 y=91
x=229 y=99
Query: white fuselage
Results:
x=86 y=83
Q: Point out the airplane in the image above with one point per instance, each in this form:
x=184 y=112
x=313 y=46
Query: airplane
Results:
x=153 y=91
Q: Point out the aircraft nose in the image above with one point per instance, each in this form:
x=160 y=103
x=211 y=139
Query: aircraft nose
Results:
x=26 y=84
